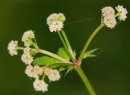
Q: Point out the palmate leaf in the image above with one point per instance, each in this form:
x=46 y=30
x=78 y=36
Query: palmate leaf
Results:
x=45 y=60
x=62 y=53
x=89 y=53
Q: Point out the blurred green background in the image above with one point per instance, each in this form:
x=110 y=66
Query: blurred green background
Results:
x=109 y=73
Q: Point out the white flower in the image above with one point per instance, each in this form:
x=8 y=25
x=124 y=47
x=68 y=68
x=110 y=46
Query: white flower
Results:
x=56 y=26
x=27 y=50
x=108 y=9
x=48 y=71
x=55 y=16
x=109 y=21
x=27 y=37
x=61 y=17
x=37 y=70
x=29 y=70
x=121 y=12
x=40 y=85
x=108 y=17
x=12 y=47
x=34 y=72
x=53 y=75
x=27 y=58
x=51 y=18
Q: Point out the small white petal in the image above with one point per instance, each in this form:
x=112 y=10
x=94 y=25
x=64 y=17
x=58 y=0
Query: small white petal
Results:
x=27 y=58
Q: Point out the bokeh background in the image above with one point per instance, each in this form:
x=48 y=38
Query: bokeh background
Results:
x=109 y=72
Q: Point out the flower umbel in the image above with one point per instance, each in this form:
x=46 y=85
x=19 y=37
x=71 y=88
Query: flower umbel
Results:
x=27 y=58
x=33 y=72
x=12 y=47
x=55 y=16
x=108 y=17
x=121 y=12
x=27 y=37
x=55 y=22
x=40 y=85
x=53 y=75
x=56 y=26
x=109 y=20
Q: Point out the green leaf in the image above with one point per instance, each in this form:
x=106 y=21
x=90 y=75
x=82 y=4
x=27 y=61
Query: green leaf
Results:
x=62 y=53
x=89 y=53
x=74 y=53
x=45 y=60
x=62 y=69
x=69 y=69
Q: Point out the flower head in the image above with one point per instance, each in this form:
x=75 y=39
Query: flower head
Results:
x=34 y=72
x=40 y=85
x=29 y=70
x=121 y=12
x=12 y=47
x=38 y=70
x=56 y=26
x=53 y=75
x=27 y=38
x=108 y=9
x=27 y=50
x=55 y=16
x=109 y=21
x=108 y=17
x=61 y=17
x=55 y=22
x=27 y=58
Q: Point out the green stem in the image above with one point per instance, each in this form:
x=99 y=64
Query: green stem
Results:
x=61 y=64
x=20 y=48
x=88 y=42
x=85 y=80
x=68 y=44
x=54 y=56
x=64 y=44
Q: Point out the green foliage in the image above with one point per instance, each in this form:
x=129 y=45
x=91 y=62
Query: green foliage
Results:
x=45 y=60
x=61 y=69
x=74 y=53
x=68 y=70
x=90 y=53
x=62 y=53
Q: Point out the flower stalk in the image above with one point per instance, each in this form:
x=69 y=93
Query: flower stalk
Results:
x=88 y=42
x=54 y=56
x=68 y=45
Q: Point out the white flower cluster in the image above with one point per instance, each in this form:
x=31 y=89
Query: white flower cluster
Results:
x=108 y=14
x=53 y=75
x=27 y=38
x=40 y=85
x=33 y=72
x=12 y=47
x=56 y=26
x=36 y=71
x=26 y=57
x=121 y=12
x=55 y=22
